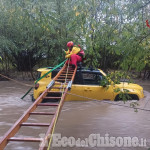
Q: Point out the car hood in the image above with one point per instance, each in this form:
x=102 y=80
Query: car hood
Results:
x=126 y=85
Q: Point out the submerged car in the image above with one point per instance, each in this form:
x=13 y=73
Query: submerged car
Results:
x=87 y=85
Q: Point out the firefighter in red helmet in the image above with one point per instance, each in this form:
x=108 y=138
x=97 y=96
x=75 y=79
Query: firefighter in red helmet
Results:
x=73 y=53
x=70 y=44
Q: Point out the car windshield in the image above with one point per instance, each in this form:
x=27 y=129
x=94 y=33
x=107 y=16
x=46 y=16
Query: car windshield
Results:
x=38 y=75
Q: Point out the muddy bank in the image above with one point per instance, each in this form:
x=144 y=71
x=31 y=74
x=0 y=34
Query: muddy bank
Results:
x=77 y=119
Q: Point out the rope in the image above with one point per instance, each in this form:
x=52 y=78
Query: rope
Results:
x=108 y=102
x=53 y=129
x=15 y=81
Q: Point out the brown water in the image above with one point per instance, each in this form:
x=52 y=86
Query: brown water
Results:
x=77 y=119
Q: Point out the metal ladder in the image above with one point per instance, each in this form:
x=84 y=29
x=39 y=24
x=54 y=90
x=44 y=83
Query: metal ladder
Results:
x=63 y=80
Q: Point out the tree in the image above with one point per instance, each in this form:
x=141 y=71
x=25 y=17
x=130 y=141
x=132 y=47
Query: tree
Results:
x=113 y=33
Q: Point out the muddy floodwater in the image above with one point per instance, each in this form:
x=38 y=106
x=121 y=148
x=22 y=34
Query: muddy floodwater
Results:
x=78 y=120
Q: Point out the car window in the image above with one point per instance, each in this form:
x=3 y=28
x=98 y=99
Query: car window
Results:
x=78 y=78
x=83 y=77
x=54 y=73
x=92 y=78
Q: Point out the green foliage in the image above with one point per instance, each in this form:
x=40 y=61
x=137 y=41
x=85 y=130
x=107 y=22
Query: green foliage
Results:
x=123 y=94
x=115 y=78
x=134 y=105
x=113 y=33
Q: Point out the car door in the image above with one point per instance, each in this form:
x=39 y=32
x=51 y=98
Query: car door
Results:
x=77 y=89
x=92 y=88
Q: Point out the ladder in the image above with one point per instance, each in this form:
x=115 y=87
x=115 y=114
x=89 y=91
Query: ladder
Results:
x=62 y=81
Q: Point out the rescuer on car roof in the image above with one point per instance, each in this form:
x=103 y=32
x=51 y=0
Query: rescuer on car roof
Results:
x=75 y=53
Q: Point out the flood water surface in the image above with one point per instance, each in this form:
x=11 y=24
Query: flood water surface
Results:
x=79 y=120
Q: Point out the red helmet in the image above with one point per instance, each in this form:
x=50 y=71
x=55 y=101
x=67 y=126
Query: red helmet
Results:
x=70 y=44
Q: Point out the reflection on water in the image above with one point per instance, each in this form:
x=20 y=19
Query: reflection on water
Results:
x=77 y=119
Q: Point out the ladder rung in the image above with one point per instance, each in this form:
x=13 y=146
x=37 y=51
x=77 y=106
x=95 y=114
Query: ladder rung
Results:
x=42 y=113
x=60 y=83
x=51 y=97
x=55 y=87
x=54 y=92
x=60 y=77
x=64 y=82
x=70 y=68
x=69 y=71
x=67 y=74
x=35 y=124
x=47 y=104
x=25 y=139
x=63 y=79
x=58 y=87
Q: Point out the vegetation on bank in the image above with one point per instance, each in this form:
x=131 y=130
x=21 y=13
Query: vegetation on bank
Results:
x=112 y=32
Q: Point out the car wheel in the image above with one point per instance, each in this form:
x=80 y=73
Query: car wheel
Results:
x=132 y=97
x=117 y=98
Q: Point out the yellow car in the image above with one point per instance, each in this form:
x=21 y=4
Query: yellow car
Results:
x=86 y=86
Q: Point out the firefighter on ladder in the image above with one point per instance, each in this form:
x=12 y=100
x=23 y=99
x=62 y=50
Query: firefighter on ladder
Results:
x=75 y=53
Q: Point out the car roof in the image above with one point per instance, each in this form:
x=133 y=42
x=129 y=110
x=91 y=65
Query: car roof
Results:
x=82 y=69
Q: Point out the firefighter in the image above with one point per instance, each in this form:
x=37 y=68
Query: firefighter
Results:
x=74 y=53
